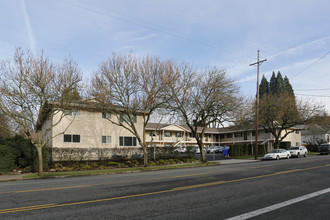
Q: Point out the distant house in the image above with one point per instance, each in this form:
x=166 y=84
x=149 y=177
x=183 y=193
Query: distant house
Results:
x=314 y=135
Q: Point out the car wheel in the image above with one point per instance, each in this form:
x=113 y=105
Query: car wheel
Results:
x=288 y=156
x=305 y=155
x=298 y=155
x=277 y=157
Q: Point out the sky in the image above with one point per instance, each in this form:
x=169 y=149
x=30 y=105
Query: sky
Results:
x=293 y=35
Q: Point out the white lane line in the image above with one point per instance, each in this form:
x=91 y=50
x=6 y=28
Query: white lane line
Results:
x=279 y=205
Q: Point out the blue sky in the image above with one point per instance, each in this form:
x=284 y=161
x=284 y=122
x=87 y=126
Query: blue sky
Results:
x=294 y=36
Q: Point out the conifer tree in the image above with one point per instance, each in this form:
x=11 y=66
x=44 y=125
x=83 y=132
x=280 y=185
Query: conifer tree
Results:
x=272 y=84
x=288 y=86
x=264 y=87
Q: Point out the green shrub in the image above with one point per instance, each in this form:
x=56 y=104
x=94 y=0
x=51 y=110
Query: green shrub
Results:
x=129 y=163
x=8 y=156
x=172 y=161
x=87 y=167
x=113 y=164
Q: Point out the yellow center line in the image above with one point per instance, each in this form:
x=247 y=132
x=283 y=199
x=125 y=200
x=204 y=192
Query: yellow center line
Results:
x=100 y=184
x=38 y=207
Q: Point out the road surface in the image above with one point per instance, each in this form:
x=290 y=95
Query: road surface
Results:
x=284 y=189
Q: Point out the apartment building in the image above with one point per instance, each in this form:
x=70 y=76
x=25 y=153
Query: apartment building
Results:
x=87 y=127
x=176 y=135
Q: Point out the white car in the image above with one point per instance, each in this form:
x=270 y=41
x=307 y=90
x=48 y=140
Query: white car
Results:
x=180 y=150
x=277 y=154
x=298 y=151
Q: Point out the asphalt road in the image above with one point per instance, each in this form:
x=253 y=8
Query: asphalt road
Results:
x=285 y=189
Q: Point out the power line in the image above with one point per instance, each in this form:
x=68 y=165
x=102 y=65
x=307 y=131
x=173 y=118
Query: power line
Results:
x=325 y=96
x=320 y=58
x=312 y=89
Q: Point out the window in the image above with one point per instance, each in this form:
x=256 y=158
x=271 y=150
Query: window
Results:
x=106 y=139
x=152 y=134
x=168 y=134
x=75 y=138
x=222 y=136
x=297 y=132
x=75 y=113
x=253 y=133
x=106 y=115
x=124 y=118
x=179 y=134
x=229 y=135
x=238 y=134
x=127 y=141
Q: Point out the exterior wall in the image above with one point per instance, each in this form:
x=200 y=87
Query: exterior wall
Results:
x=294 y=138
x=217 y=139
x=91 y=127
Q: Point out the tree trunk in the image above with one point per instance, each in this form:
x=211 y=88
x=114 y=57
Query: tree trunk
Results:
x=203 y=157
x=40 y=160
x=145 y=156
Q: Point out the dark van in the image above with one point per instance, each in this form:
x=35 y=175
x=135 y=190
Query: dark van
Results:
x=324 y=148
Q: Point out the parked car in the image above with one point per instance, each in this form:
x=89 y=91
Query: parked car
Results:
x=211 y=150
x=298 y=151
x=196 y=150
x=324 y=148
x=221 y=148
x=277 y=154
x=180 y=149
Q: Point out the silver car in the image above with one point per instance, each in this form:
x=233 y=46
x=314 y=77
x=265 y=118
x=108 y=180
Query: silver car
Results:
x=277 y=154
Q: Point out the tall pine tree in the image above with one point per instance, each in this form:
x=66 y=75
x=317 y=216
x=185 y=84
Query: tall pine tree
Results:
x=272 y=84
x=264 y=87
x=288 y=86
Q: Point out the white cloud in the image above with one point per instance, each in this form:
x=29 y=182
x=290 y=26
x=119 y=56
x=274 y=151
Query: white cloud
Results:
x=28 y=26
x=147 y=37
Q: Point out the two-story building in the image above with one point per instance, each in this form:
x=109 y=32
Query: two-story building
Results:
x=176 y=135
x=88 y=132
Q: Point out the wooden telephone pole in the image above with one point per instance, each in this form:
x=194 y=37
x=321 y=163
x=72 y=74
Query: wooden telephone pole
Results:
x=258 y=63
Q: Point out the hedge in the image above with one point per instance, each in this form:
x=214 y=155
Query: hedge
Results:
x=19 y=153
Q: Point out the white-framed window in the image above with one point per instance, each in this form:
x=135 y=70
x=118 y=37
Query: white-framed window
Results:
x=73 y=138
x=127 y=141
x=179 y=134
x=106 y=139
x=168 y=134
x=106 y=115
x=72 y=112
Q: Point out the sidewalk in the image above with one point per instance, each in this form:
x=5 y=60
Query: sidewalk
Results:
x=18 y=177
x=14 y=177
x=232 y=161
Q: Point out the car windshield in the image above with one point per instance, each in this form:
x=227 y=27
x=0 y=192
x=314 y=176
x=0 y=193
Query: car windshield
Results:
x=275 y=151
x=294 y=148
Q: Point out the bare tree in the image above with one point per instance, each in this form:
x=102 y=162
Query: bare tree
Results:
x=131 y=86
x=5 y=129
x=29 y=87
x=202 y=98
x=280 y=113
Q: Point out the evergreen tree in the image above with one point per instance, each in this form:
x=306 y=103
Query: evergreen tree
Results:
x=272 y=84
x=280 y=87
x=288 y=86
x=264 y=87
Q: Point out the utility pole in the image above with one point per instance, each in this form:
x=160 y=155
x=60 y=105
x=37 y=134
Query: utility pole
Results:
x=258 y=63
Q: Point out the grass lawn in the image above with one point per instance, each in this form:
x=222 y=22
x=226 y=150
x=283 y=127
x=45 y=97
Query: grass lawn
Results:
x=113 y=171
